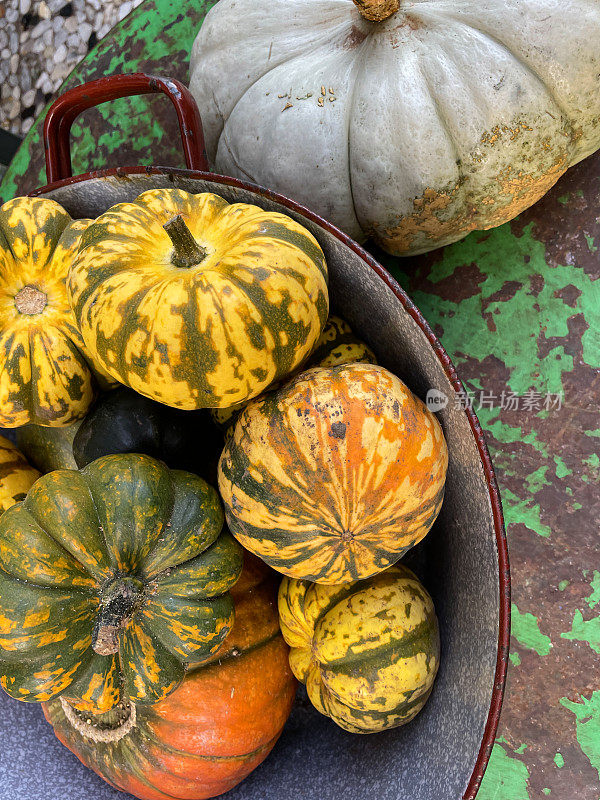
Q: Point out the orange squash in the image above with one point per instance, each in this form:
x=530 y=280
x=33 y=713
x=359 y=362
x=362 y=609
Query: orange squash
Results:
x=208 y=735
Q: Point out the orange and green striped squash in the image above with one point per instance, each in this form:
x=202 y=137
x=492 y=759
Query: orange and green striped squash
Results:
x=16 y=475
x=335 y=476
x=45 y=377
x=195 y=302
x=112 y=580
x=368 y=651
x=207 y=736
x=337 y=344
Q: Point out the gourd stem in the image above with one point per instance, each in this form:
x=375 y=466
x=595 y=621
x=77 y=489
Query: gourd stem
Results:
x=377 y=10
x=30 y=300
x=186 y=250
x=119 y=602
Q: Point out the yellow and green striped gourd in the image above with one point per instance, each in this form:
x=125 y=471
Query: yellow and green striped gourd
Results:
x=195 y=302
x=368 y=651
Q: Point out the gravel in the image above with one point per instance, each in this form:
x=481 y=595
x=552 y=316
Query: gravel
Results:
x=41 y=41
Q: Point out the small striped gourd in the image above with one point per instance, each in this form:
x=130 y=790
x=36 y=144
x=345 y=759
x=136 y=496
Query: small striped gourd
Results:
x=45 y=377
x=337 y=344
x=195 y=302
x=208 y=735
x=16 y=475
x=368 y=651
x=333 y=477
x=112 y=580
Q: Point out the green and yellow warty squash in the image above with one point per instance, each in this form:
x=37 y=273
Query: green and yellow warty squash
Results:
x=337 y=344
x=368 y=651
x=45 y=377
x=16 y=475
x=333 y=477
x=112 y=579
x=195 y=302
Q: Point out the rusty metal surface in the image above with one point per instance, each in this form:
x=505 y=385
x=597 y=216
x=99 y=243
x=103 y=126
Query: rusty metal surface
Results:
x=518 y=309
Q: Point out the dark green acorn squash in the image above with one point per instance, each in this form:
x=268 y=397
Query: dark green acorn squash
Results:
x=123 y=421
x=112 y=580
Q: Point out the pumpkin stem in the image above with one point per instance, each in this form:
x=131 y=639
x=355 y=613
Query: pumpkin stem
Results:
x=30 y=300
x=119 y=601
x=377 y=10
x=186 y=250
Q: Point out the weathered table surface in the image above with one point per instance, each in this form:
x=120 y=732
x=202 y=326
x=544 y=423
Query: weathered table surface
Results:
x=518 y=310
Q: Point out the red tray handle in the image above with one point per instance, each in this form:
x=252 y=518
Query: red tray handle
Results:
x=64 y=110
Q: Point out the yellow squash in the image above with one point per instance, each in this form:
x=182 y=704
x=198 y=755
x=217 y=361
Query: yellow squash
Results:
x=368 y=651
x=45 y=377
x=334 y=476
x=197 y=303
x=16 y=476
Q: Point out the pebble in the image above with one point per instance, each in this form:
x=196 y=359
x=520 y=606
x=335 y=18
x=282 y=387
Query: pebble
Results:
x=28 y=98
x=34 y=61
x=60 y=54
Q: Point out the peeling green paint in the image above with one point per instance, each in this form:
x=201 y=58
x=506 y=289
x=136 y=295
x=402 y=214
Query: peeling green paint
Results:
x=587 y=714
x=585 y=631
x=525 y=629
x=561 y=468
x=506 y=778
x=563 y=585
x=537 y=480
x=590 y=243
x=594 y=598
x=515 y=659
x=559 y=760
x=523 y=511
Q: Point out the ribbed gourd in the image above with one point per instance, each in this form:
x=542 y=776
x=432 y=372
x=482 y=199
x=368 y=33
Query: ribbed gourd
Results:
x=45 y=374
x=113 y=579
x=368 y=651
x=333 y=477
x=16 y=475
x=219 y=725
x=195 y=302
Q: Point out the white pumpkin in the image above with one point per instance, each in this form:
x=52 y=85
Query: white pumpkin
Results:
x=442 y=117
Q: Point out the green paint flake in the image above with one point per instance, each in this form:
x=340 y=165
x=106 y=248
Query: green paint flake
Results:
x=585 y=631
x=561 y=468
x=563 y=585
x=506 y=778
x=587 y=714
x=564 y=198
x=524 y=512
x=595 y=433
x=526 y=631
x=577 y=506
x=521 y=749
x=594 y=598
x=515 y=659
x=590 y=243
x=546 y=791
x=511 y=330
x=537 y=480
x=559 y=760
